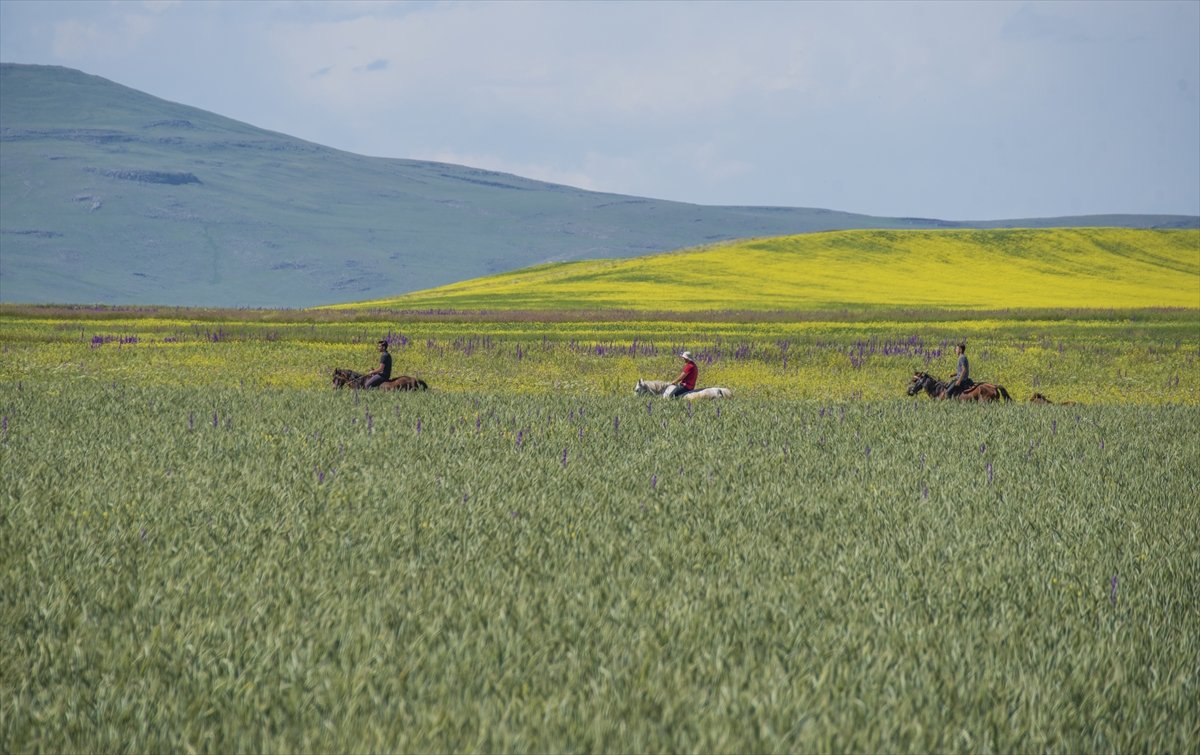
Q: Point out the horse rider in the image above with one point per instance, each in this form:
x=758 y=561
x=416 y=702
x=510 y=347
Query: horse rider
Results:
x=962 y=373
x=685 y=383
x=383 y=372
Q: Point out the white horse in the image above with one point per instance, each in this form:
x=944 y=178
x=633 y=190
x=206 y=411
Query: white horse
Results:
x=661 y=387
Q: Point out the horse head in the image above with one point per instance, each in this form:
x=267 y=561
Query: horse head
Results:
x=342 y=378
x=649 y=387
x=918 y=382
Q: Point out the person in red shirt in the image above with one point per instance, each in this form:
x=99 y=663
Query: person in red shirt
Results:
x=686 y=382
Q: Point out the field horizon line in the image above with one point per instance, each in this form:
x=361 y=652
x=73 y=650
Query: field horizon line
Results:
x=850 y=314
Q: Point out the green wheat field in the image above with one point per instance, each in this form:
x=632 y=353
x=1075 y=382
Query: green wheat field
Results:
x=205 y=548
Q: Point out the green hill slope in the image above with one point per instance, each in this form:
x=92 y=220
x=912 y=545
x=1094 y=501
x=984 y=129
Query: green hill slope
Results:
x=110 y=195
x=958 y=269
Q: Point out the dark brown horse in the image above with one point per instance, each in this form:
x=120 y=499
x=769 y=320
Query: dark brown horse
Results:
x=404 y=383
x=351 y=379
x=923 y=381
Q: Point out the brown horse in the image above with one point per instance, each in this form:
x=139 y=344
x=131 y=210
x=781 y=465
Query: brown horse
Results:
x=350 y=378
x=923 y=381
x=404 y=383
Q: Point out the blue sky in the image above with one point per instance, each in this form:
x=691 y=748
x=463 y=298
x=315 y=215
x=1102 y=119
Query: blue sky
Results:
x=965 y=111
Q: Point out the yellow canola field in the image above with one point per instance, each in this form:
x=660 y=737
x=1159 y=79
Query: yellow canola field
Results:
x=953 y=269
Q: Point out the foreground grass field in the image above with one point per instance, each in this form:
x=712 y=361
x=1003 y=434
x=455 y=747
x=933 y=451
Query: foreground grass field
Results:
x=223 y=569
x=205 y=548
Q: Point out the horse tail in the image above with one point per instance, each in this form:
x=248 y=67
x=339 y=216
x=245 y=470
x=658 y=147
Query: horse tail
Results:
x=1004 y=393
x=422 y=384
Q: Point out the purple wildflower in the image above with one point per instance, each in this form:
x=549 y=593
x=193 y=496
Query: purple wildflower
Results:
x=983 y=448
x=215 y=420
x=924 y=490
x=654 y=482
x=1112 y=590
x=419 y=425
x=616 y=423
x=564 y=457
x=989 y=472
x=520 y=438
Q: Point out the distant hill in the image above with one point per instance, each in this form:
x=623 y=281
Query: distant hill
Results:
x=951 y=269
x=109 y=195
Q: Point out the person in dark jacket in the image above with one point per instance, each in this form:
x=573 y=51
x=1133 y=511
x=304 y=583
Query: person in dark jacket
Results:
x=962 y=373
x=383 y=372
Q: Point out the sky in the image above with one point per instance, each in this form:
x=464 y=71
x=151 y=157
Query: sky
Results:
x=951 y=110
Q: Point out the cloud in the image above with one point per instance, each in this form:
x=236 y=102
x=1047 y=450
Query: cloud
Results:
x=950 y=109
x=76 y=39
x=549 y=58
x=160 y=6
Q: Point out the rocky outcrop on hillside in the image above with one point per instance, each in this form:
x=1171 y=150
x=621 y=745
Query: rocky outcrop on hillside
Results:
x=153 y=176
